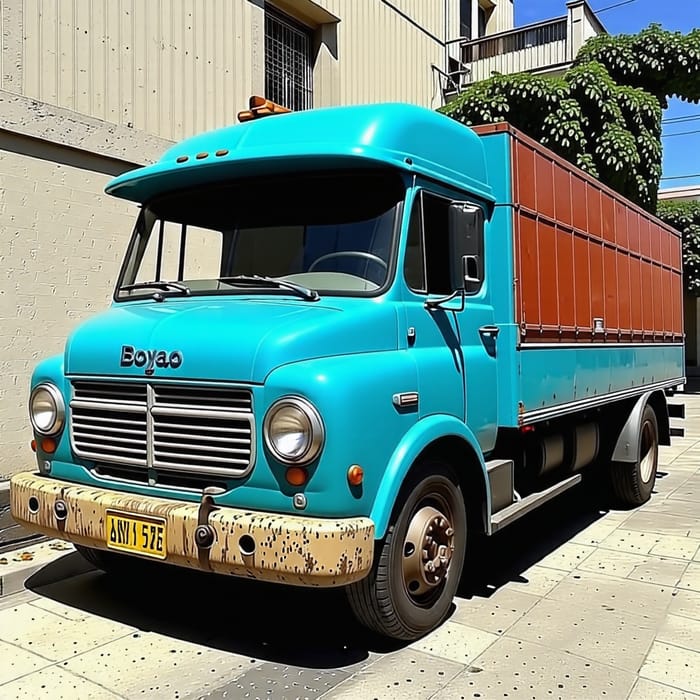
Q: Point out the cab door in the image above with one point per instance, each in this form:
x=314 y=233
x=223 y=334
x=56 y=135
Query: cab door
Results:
x=450 y=312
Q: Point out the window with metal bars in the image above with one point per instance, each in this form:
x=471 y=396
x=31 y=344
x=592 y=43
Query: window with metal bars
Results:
x=288 y=75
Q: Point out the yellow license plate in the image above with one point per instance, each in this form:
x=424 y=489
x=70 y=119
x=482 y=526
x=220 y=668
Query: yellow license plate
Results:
x=136 y=533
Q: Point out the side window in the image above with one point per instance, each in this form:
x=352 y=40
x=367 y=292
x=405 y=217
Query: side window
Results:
x=441 y=233
x=414 y=263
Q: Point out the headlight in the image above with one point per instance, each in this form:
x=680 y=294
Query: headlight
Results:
x=47 y=410
x=293 y=430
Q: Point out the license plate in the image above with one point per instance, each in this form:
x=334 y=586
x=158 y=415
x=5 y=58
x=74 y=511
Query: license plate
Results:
x=136 y=533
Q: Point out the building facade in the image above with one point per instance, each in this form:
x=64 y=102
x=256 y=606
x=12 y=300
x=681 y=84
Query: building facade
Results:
x=547 y=47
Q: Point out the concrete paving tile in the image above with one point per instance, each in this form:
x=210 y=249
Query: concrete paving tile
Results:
x=537 y=580
x=645 y=689
x=672 y=506
x=609 y=636
x=665 y=523
x=12 y=601
x=640 y=567
x=404 y=674
x=567 y=557
x=689 y=491
x=55 y=683
x=495 y=614
x=677 y=547
x=686 y=603
x=33 y=555
x=514 y=668
x=55 y=637
x=60 y=609
x=617 y=516
x=680 y=631
x=691 y=577
x=595 y=533
x=456 y=642
x=643 y=599
x=156 y=666
x=18 y=662
x=277 y=682
x=625 y=540
x=674 y=666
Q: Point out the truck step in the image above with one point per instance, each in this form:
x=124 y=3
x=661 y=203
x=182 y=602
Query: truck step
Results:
x=524 y=506
x=676 y=410
x=500 y=472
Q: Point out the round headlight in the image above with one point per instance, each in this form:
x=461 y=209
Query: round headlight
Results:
x=293 y=430
x=46 y=409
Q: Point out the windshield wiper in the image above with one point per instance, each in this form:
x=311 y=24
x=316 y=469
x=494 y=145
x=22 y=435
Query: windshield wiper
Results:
x=165 y=285
x=263 y=281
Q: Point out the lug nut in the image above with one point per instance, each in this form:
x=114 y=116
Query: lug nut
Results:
x=204 y=536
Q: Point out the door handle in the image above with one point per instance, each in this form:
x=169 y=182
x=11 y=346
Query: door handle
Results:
x=489 y=330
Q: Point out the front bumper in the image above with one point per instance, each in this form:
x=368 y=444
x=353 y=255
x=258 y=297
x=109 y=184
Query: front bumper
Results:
x=288 y=548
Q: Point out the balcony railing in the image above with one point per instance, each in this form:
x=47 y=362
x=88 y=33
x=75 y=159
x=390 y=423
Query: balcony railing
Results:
x=535 y=47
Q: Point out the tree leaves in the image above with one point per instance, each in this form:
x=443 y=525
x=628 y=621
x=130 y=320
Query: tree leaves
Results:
x=685 y=217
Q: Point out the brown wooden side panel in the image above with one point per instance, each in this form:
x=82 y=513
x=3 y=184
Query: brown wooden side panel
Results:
x=585 y=257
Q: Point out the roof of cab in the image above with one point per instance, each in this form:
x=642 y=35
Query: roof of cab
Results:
x=404 y=136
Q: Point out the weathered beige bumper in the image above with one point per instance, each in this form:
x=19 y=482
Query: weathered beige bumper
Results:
x=288 y=548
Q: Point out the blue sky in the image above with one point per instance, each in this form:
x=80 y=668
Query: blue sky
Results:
x=681 y=153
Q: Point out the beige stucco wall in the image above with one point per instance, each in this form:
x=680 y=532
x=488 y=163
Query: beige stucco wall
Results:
x=61 y=241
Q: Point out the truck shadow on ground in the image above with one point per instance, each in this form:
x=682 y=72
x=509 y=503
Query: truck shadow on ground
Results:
x=296 y=626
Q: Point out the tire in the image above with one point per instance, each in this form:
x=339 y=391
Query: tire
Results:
x=633 y=482
x=401 y=598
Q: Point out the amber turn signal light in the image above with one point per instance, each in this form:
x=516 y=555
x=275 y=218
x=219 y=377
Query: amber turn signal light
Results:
x=32 y=444
x=48 y=445
x=296 y=476
x=355 y=475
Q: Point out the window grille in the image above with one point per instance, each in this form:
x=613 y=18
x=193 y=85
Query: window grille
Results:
x=288 y=76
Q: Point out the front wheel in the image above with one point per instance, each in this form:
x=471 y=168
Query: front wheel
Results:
x=416 y=572
x=632 y=482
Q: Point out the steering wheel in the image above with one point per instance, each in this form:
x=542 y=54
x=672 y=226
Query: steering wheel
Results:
x=349 y=253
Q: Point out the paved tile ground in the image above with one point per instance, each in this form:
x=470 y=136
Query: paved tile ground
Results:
x=576 y=601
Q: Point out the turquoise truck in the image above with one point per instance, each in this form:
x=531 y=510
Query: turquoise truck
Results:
x=343 y=340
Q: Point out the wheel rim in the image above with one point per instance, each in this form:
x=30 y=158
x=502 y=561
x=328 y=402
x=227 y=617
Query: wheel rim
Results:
x=427 y=551
x=647 y=462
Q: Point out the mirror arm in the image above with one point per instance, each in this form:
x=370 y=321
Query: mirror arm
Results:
x=432 y=304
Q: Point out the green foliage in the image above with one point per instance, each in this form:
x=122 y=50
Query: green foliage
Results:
x=662 y=63
x=685 y=217
x=604 y=113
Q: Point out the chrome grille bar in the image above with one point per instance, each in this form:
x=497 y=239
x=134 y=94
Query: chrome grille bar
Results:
x=169 y=428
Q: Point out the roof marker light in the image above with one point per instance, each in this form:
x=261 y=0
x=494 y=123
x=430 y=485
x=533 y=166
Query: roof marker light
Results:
x=260 y=107
x=182 y=159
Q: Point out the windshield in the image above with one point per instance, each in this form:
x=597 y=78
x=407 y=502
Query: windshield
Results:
x=302 y=235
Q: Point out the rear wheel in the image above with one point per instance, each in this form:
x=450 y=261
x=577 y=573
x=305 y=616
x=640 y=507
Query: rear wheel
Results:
x=418 y=564
x=633 y=482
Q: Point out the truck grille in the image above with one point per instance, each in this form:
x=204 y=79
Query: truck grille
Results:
x=164 y=429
